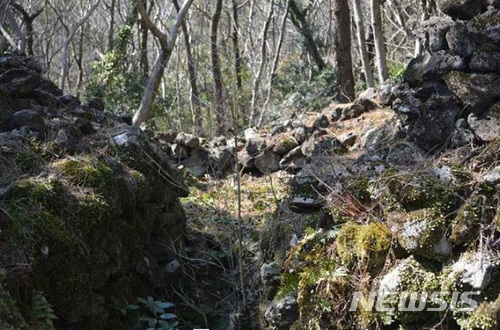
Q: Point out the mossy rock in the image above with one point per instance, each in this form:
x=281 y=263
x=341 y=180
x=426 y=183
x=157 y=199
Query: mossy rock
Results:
x=365 y=244
x=421 y=232
x=88 y=221
x=358 y=187
x=486 y=316
x=409 y=276
x=413 y=191
x=86 y=171
x=10 y=316
x=477 y=210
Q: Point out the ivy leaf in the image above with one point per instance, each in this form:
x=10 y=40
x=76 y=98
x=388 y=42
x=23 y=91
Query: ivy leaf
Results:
x=165 y=304
x=168 y=316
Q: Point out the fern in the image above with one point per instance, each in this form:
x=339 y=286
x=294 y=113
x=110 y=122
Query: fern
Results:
x=42 y=312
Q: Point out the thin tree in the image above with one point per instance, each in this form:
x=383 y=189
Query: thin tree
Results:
x=274 y=67
x=299 y=20
x=28 y=24
x=342 y=42
x=193 y=81
x=378 y=36
x=143 y=40
x=236 y=46
x=216 y=71
x=167 y=43
x=263 y=57
x=363 y=49
x=65 y=47
x=111 y=31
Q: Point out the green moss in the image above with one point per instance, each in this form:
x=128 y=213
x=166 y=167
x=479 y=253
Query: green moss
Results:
x=421 y=231
x=366 y=244
x=413 y=191
x=358 y=187
x=86 y=171
x=413 y=277
x=288 y=142
x=470 y=215
x=486 y=316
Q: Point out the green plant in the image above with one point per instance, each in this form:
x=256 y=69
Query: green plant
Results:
x=152 y=314
x=42 y=312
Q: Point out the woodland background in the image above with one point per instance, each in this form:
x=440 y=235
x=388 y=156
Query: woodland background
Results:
x=234 y=63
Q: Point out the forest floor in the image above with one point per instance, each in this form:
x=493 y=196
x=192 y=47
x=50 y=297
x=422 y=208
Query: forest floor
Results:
x=243 y=218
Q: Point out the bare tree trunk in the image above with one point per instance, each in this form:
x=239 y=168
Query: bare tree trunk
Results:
x=342 y=42
x=195 y=95
x=236 y=46
x=263 y=56
x=274 y=68
x=152 y=86
x=167 y=43
x=363 y=50
x=143 y=42
x=111 y=32
x=79 y=62
x=428 y=9
x=378 y=36
x=216 y=71
x=65 y=48
x=298 y=17
x=28 y=22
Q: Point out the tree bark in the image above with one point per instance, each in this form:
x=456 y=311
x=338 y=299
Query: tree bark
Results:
x=28 y=22
x=363 y=49
x=236 y=46
x=65 y=48
x=342 y=42
x=298 y=17
x=143 y=42
x=274 y=68
x=193 y=81
x=263 y=56
x=167 y=43
x=111 y=32
x=216 y=71
x=378 y=36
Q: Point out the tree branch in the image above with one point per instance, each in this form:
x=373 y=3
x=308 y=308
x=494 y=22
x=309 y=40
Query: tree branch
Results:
x=162 y=37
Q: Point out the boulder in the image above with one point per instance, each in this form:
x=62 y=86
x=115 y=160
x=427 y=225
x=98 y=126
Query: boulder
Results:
x=460 y=42
x=430 y=112
x=28 y=118
x=478 y=91
x=282 y=313
x=463 y=9
x=421 y=232
x=19 y=82
x=221 y=161
x=255 y=144
x=294 y=160
x=267 y=161
x=323 y=147
x=486 y=59
x=432 y=33
x=485 y=28
x=486 y=127
x=187 y=140
x=197 y=162
x=284 y=143
x=270 y=277
x=305 y=195
x=473 y=269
